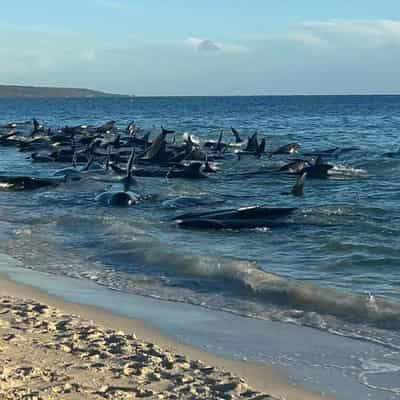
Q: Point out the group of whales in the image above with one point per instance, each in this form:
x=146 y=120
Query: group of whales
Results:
x=130 y=153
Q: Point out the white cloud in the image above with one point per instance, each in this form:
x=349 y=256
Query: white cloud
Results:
x=345 y=33
x=305 y=38
x=88 y=55
x=207 y=45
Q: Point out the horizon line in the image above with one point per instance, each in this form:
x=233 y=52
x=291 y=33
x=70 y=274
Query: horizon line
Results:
x=114 y=93
x=263 y=95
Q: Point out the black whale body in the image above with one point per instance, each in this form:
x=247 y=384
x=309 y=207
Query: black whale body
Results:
x=203 y=223
x=248 y=217
x=28 y=182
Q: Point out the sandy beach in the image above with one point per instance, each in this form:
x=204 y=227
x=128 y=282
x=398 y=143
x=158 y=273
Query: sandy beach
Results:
x=50 y=349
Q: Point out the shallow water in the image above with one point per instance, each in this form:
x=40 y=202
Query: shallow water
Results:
x=344 y=368
x=334 y=265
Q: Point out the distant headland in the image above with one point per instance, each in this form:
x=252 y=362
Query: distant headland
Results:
x=39 y=91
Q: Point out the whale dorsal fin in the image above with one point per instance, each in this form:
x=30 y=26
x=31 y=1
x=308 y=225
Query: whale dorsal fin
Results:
x=74 y=160
x=221 y=134
x=261 y=147
x=236 y=134
x=130 y=161
x=129 y=180
x=252 y=143
x=88 y=164
x=108 y=159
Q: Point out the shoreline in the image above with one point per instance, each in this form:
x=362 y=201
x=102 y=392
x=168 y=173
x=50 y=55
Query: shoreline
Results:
x=259 y=377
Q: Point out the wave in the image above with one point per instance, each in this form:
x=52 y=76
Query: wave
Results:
x=380 y=166
x=379 y=312
x=362 y=317
x=134 y=248
x=343 y=171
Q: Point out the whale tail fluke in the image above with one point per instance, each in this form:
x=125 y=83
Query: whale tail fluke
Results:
x=298 y=188
x=261 y=148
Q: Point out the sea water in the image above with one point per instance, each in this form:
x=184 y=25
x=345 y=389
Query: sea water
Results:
x=334 y=265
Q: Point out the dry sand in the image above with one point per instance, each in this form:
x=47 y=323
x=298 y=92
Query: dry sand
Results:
x=50 y=349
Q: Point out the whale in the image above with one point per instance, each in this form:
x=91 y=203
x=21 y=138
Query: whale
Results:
x=27 y=182
x=125 y=197
x=118 y=198
x=295 y=167
x=242 y=218
x=252 y=143
x=218 y=145
x=207 y=168
x=324 y=153
x=319 y=170
x=252 y=212
x=290 y=148
x=191 y=171
x=253 y=148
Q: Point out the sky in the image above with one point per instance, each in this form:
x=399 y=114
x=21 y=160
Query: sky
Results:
x=203 y=47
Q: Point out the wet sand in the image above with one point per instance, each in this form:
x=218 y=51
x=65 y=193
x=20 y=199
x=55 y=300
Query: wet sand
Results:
x=52 y=349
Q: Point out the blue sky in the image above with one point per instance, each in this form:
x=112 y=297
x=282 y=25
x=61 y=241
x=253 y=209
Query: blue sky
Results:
x=220 y=47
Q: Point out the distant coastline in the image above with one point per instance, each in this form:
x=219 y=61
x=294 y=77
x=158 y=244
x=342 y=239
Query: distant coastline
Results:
x=20 y=91
x=42 y=91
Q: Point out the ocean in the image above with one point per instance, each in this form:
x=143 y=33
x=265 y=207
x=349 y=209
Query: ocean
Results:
x=334 y=265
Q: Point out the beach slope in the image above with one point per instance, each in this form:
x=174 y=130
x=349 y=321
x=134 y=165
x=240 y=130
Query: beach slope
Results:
x=51 y=349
